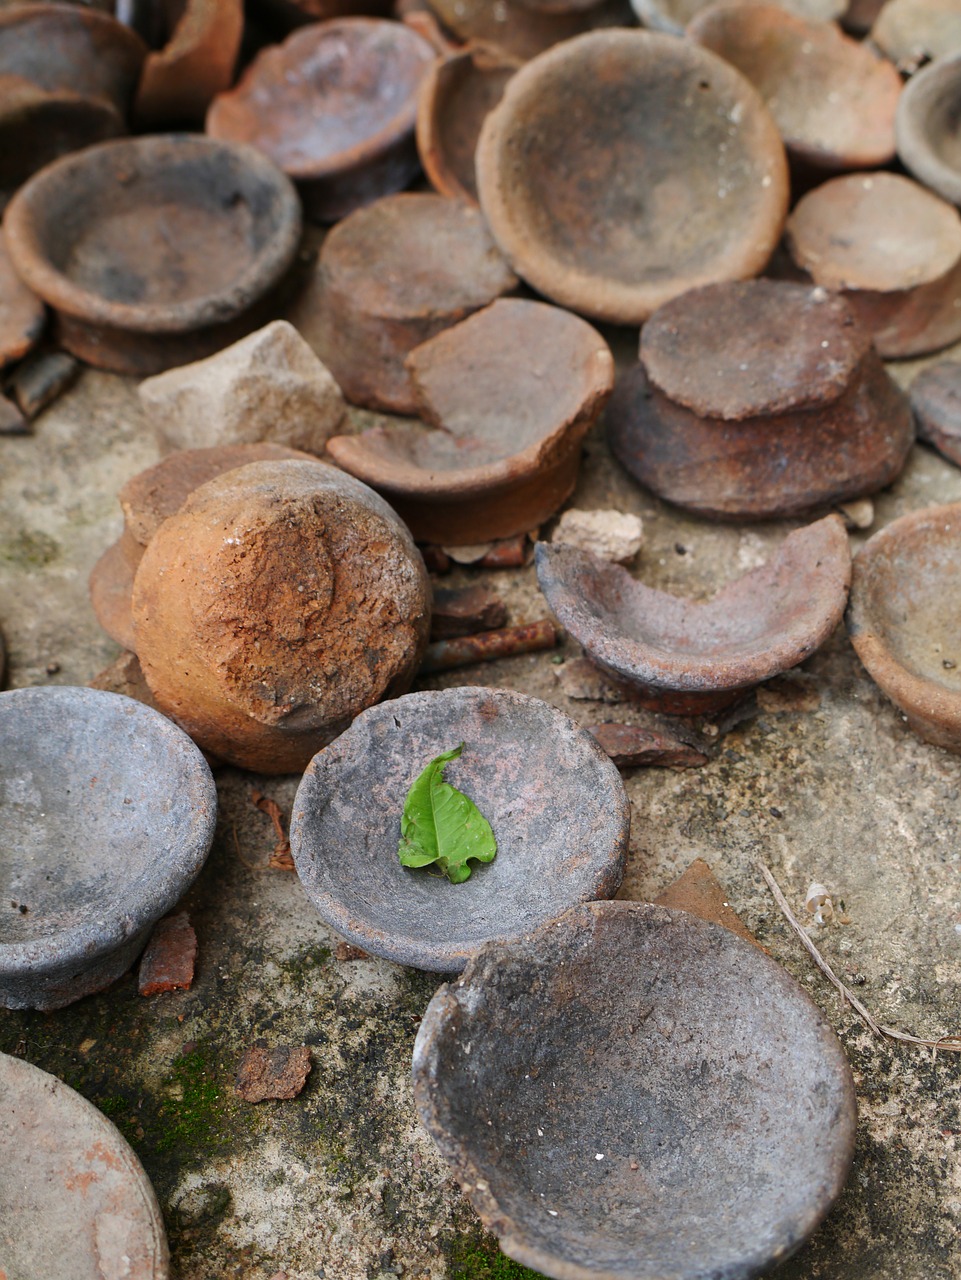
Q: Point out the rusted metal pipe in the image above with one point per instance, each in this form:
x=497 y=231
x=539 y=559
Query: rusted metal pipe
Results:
x=507 y=642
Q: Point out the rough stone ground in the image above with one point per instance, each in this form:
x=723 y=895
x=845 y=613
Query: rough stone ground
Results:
x=341 y=1182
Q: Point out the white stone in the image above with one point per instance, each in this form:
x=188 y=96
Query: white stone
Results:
x=268 y=386
x=610 y=535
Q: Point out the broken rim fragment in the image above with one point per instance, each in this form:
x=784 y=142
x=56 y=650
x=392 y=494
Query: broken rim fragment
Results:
x=686 y=656
x=106 y=818
x=705 y=1102
x=929 y=144
x=673 y=16
x=903 y=619
x=154 y=251
x=521 y=31
x=196 y=63
x=555 y=803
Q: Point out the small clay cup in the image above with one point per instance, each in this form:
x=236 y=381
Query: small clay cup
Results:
x=555 y=803
x=929 y=143
x=669 y=173
x=911 y=32
x=902 y=619
x=673 y=16
x=522 y=31
x=688 y=657
x=180 y=80
x=155 y=251
x=633 y=1093
x=334 y=106
x=107 y=815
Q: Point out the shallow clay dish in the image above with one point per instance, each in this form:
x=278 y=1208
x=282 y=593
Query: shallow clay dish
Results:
x=554 y=800
x=903 y=619
x=334 y=106
x=520 y=30
x=915 y=31
x=673 y=16
x=669 y=174
x=155 y=251
x=936 y=401
x=107 y=813
x=510 y=393
x=71 y=1187
x=926 y=126
x=633 y=1093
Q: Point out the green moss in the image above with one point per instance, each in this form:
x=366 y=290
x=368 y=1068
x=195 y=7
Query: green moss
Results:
x=197 y=1118
x=301 y=969
x=29 y=549
x=478 y=1258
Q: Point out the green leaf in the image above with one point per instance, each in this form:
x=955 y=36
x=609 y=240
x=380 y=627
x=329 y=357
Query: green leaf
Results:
x=440 y=824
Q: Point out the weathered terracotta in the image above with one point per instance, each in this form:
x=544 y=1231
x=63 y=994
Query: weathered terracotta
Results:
x=196 y=63
x=22 y=314
x=673 y=16
x=929 y=145
x=632 y=1093
x=832 y=98
x=688 y=657
x=457 y=95
x=556 y=805
x=389 y=277
x=155 y=251
x=699 y=891
x=334 y=106
x=510 y=393
x=912 y=32
x=524 y=32
x=757 y=400
x=935 y=396
x=280 y=600
x=673 y=177
x=902 y=619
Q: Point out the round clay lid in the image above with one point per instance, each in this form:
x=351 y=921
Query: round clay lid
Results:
x=759 y=347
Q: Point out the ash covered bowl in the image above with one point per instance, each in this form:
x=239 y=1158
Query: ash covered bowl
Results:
x=554 y=800
x=632 y=1094
x=107 y=814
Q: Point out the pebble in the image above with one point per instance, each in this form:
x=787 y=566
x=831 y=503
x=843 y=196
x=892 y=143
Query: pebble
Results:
x=610 y=535
x=273 y=1073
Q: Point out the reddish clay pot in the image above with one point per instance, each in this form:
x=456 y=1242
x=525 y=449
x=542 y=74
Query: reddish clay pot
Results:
x=929 y=144
x=197 y=62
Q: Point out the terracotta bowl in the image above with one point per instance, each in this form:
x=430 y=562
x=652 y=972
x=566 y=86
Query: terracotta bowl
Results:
x=334 y=106
x=910 y=32
x=155 y=251
x=554 y=800
x=108 y=814
x=669 y=174
x=688 y=657
x=903 y=619
x=510 y=393
x=673 y=16
x=929 y=143
x=633 y=1093
x=521 y=31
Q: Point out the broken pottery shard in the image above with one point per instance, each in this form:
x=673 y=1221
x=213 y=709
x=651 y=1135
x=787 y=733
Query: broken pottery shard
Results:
x=610 y=535
x=631 y=746
x=197 y=62
x=795 y=691
x=583 y=682
x=465 y=612
x=936 y=400
x=12 y=421
x=22 y=314
x=125 y=676
x=268 y=386
x=699 y=891
x=168 y=962
x=346 y=951
x=39 y=380
x=273 y=1073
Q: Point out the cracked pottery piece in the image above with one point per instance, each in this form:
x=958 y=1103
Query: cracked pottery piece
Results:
x=522 y=31
x=107 y=816
x=692 y=657
x=929 y=143
x=697 y=1120
x=196 y=63
x=555 y=802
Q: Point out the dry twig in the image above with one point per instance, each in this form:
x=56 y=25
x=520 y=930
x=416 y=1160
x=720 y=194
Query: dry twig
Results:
x=280 y=859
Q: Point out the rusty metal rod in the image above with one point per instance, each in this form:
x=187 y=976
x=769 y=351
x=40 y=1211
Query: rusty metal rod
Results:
x=485 y=646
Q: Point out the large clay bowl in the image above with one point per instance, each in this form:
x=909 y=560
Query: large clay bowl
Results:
x=554 y=800
x=334 y=106
x=903 y=619
x=673 y=16
x=686 y=656
x=929 y=140
x=154 y=251
x=624 y=167
x=107 y=813
x=633 y=1093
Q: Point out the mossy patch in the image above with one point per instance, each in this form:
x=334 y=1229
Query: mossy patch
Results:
x=478 y=1258
x=28 y=549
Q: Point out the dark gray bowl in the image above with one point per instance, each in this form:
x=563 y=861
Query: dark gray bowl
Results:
x=636 y=1094
x=107 y=813
x=555 y=802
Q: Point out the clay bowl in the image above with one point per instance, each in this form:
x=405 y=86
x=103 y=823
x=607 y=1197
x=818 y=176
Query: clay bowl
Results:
x=758 y=400
x=903 y=619
x=554 y=800
x=523 y=31
x=893 y=249
x=690 y=657
x=673 y=16
x=633 y=1093
x=926 y=126
x=334 y=106
x=108 y=814
x=669 y=174
x=196 y=63
x=511 y=393
x=910 y=32
x=71 y=1187
x=832 y=98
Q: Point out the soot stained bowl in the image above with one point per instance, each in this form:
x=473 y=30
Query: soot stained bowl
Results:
x=107 y=813
x=155 y=251
x=624 y=167
x=903 y=619
x=926 y=126
x=685 y=656
x=554 y=800
x=632 y=1093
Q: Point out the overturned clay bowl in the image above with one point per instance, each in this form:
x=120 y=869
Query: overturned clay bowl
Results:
x=334 y=106
x=757 y=400
x=668 y=173
x=509 y=395
x=926 y=126
x=107 y=813
x=155 y=251
x=72 y=1188
x=695 y=1120
x=673 y=16
x=555 y=803
x=903 y=619
x=691 y=657
x=520 y=30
